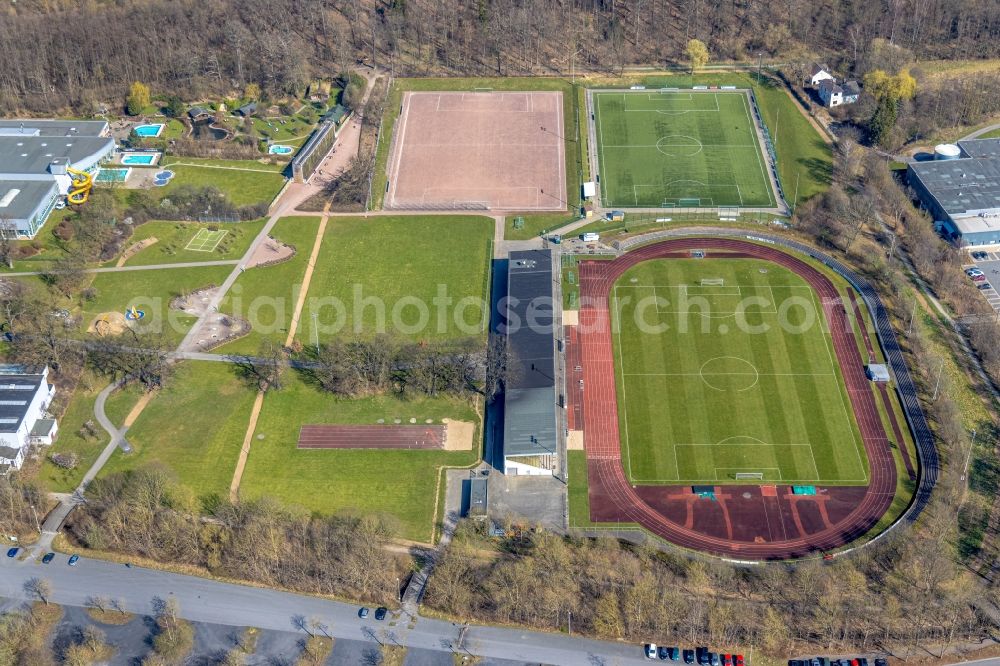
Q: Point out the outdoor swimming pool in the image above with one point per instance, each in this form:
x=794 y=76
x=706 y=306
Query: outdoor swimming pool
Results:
x=113 y=175
x=141 y=159
x=280 y=150
x=148 y=131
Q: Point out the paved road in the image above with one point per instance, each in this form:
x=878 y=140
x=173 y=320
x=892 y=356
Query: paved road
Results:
x=126 y=269
x=203 y=600
x=979 y=132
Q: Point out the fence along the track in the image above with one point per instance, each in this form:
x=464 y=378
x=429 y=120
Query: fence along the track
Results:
x=905 y=387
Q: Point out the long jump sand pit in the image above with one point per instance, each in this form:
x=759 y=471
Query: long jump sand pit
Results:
x=479 y=150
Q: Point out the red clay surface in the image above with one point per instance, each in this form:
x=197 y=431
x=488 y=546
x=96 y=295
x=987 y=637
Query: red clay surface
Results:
x=502 y=151
x=741 y=522
x=371 y=437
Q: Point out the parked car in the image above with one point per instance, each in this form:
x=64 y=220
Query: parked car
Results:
x=661 y=652
x=979 y=255
x=814 y=662
x=48 y=558
x=363 y=613
x=863 y=661
x=673 y=654
x=713 y=659
x=73 y=560
x=12 y=552
x=688 y=656
x=650 y=650
x=881 y=662
x=727 y=660
x=380 y=613
x=739 y=660
x=972 y=270
x=701 y=654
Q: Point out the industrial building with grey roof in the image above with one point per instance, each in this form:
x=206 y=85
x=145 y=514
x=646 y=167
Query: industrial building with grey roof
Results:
x=35 y=156
x=961 y=189
x=530 y=433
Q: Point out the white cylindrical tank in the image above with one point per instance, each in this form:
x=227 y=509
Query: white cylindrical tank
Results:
x=947 y=151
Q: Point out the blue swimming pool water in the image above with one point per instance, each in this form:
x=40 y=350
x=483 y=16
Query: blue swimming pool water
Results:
x=113 y=175
x=148 y=130
x=280 y=150
x=138 y=159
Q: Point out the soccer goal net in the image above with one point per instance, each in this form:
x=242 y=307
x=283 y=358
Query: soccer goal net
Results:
x=713 y=282
x=758 y=476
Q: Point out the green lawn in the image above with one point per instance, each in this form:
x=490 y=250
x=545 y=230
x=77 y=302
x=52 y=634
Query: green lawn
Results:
x=574 y=120
x=245 y=185
x=194 y=427
x=254 y=165
x=173 y=238
x=802 y=153
x=71 y=439
x=995 y=134
x=684 y=148
x=266 y=295
x=729 y=385
x=151 y=291
x=398 y=483
x=401 y=264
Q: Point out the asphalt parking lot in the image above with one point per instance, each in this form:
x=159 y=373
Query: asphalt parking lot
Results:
x=990 y=266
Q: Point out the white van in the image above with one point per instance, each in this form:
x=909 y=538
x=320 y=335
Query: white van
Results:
x=590 y=237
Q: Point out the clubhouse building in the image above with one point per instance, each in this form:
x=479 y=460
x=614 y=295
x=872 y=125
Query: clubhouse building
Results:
x=35 y=156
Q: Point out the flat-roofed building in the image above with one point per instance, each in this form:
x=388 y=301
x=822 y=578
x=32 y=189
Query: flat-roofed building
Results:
x=963 y=194
x=530 y=432
x=35 y=159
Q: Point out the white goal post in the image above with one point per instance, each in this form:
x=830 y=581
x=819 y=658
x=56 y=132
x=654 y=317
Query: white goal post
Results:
x=713 y=282
x=759 y=476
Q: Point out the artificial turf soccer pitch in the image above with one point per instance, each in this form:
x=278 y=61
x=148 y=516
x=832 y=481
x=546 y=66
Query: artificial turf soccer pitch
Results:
x=738 y=377
x=679 y=148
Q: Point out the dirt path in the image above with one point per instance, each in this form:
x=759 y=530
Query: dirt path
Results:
x=307 y=278
x=241 y=462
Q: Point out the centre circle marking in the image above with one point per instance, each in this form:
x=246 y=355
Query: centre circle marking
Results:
x=679 y=145
x=729 y=373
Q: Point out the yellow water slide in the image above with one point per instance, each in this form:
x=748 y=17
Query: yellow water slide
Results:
x=79 y=191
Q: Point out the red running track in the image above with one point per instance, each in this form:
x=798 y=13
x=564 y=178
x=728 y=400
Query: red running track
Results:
x=371 y=437
x=600 y=412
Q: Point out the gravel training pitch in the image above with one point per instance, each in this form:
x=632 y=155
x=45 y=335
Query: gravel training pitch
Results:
x=478 y=151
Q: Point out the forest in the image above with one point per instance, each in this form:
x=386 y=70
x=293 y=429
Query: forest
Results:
x=57 y=55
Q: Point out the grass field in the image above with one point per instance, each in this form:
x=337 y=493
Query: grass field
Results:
x=402 y=264
x=397 y=483
x=680 y=148
x=730 y=384
x=248 y=184
x=194 y=427
x=151 y=291
x=173 y=240
x=266 y=294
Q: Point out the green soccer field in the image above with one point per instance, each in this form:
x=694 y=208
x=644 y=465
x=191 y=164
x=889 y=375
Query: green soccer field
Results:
x=680 y=148
x=726 y=366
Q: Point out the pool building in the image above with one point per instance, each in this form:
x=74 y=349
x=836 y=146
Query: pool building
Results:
x=35 y=159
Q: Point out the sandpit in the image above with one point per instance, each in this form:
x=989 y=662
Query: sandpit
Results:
x=458 y=435
x=109 y=323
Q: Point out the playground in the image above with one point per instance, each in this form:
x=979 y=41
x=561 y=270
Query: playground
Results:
x=478 y=150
